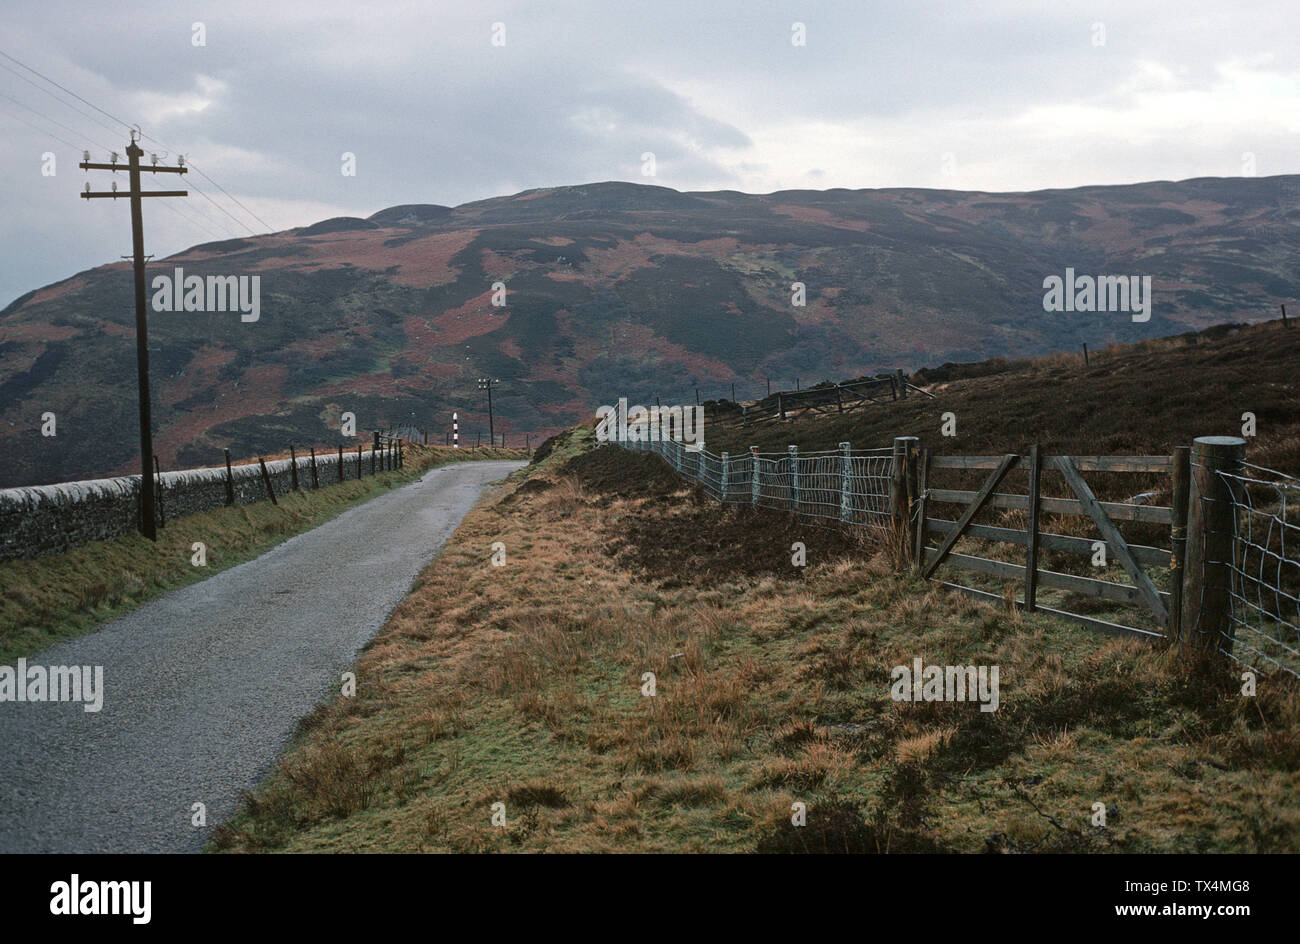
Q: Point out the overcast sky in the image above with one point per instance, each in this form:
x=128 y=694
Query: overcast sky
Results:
x=990 y=95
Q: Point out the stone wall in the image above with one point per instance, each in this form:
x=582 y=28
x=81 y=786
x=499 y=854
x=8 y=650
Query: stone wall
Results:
x=45 y=519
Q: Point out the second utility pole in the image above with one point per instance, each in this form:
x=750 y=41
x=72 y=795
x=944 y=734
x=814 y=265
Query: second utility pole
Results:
x=487 y=384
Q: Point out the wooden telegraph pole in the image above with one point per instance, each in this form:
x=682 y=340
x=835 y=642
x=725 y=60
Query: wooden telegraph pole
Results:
x=486 y=383
x=133 y=168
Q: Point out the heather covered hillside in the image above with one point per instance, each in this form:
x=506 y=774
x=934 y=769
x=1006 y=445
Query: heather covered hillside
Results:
x=614 y=290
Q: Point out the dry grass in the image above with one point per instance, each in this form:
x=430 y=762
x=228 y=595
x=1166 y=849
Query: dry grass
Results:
x=523 y=685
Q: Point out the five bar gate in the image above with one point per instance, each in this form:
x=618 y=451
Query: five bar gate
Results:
x=1162 y=606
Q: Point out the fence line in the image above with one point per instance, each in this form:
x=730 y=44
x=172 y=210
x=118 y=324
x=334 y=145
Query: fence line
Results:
x=43 y=519
x=841 y=486
x=1234 y=557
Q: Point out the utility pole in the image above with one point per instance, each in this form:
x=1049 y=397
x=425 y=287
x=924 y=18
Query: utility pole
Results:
x=134 y=153
x=485 y=383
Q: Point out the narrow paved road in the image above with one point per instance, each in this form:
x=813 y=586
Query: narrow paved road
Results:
x=204 y=686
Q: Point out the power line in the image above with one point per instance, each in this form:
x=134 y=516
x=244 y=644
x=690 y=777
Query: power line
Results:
x=75 y=147
x=226 y=229
x=65 y=104
x=36 y=111
x=204 y=215
x=81 y=147
x=220 y=207
x=68 y=91
x=194 y=221
x=124 y=124
x=269 y=227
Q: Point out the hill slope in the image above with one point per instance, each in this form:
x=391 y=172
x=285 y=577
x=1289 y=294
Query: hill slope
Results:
x=613 y=289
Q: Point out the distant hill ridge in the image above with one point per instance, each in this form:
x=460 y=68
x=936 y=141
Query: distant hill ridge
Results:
x=615 y=289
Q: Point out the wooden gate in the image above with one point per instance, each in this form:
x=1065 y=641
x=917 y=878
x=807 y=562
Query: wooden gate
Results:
x=1164 y=607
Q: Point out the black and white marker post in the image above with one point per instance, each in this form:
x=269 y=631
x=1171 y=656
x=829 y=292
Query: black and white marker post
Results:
x=455 y=430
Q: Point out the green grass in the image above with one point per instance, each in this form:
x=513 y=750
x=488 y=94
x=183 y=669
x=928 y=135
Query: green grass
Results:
x=57 y=596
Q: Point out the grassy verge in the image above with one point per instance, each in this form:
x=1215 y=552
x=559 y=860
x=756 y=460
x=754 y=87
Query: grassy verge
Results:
x=523 y=685
x=51 y=598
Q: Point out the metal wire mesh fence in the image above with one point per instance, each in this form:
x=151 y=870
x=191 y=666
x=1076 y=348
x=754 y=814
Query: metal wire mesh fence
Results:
x=844 y=486
x=1264 y=593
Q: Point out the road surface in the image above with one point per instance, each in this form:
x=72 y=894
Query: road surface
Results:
x=204 y=686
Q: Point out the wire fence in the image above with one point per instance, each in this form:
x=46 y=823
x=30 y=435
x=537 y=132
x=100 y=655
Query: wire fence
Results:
x=839 y=487
x=1264 y=595
x=1251 y=554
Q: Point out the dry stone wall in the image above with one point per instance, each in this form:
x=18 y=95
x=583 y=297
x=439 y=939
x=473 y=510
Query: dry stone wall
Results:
x=44 y=519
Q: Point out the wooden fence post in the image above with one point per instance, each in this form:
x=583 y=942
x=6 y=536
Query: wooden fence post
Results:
x=846 y=482
x=374 y=453
x=780 y=404
x=358 y=462
x=1211 y=523
x=1031 y=528
x=340 y=463
x=753 y=475
x=794 y=478
x=901 y=383
x=293 y=468
x=315 y=482
x=724 y=477
x=922 y=487
x=266 y=480
x=1179 y=484
x=230 y=481
x=902 y=492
